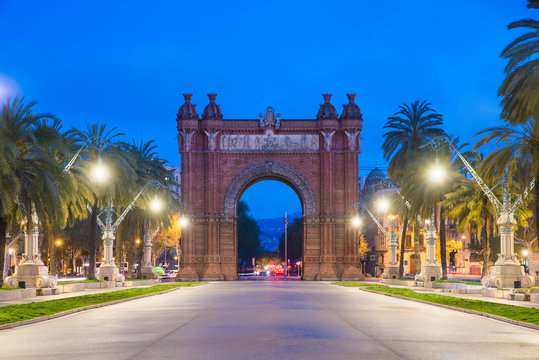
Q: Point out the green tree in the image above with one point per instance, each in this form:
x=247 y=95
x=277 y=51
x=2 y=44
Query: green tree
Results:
x=409 y=128
x=248 y=234
x=31 y=177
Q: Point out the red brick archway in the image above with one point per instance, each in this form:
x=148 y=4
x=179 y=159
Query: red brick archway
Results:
x=222 y=158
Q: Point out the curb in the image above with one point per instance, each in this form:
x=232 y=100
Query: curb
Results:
x=467 y=311
x=84 y=308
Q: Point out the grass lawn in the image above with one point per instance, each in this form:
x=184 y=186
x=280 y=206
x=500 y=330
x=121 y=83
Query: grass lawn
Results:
x=355 y=283
x=78 y=282
x=4 y=288
x=12 y=313
x=513 y=312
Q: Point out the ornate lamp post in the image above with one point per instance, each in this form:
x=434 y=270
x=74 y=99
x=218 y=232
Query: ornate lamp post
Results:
x=507 y=268
x=108 y=269
x=431 y=270
x=391 y=271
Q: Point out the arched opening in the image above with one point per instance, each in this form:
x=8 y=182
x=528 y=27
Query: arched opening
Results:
x=261 y=250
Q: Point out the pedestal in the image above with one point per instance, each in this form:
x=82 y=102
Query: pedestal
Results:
x=31 y=269
x=507 y=269
x=391 y=272
x=147 y=270
x=109 y=272
x=33 y=276
x=429 y=273
x=108 y=269
x=505 y=275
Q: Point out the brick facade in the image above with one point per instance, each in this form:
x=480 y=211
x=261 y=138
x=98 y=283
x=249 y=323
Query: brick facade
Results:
x=221 y=158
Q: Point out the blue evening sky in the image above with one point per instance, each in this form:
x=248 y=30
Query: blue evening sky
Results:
x=126 y=63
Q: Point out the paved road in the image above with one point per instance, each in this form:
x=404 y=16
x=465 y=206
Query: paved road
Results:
x=270 y=320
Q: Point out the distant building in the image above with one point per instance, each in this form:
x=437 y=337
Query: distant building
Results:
x=176 y=177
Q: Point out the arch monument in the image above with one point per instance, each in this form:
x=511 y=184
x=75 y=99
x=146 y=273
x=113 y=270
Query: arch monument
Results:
x=221 y=158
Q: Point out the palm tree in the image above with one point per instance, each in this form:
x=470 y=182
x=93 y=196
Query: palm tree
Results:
x=410 y=128
x=103 y=143
x=425 y=196
x=520 y=88
x=30 y=171
x=516 y=149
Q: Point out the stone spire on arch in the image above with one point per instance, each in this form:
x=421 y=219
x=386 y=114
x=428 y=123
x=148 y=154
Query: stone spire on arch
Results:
x=351 y=110
x=187 y=111
x=212 y=110
x=327 y=111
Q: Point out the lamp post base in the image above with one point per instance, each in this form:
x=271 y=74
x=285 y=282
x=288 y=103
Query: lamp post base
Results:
x=429 y=273
x=391 y=272
x=109 y=272
x=32 y=275
x=148 y=272
x=505 y=275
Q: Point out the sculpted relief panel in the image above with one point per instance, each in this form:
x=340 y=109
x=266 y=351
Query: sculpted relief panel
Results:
x=270 y=142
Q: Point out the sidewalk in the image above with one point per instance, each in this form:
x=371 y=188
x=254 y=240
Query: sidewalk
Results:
x=67 y=295
x=465 y=296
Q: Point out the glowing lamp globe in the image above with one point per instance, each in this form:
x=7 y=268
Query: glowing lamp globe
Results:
x=183 y=222
x=356 y=221
x=99 y=172
x=156 y=204
x=382 y=205
x=436 y=174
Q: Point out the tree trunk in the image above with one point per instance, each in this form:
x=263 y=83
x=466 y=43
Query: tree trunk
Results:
x=3 y=228
x=52 y=253
x=537 y=202
x=485 y=248
x=403 y=237
x=93 y=241
x=139 y=249
x=443 y=244
x=417 y=247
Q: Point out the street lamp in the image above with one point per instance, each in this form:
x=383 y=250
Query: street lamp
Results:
x=156 y=204
x=506 y=269
x=356 y=221
x=108 y=269
x=183 y=221
x=100 y=172
x=382 y=205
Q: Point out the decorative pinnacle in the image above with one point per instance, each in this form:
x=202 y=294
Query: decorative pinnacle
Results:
x=351 y=97
x=327 y=97
x=212 y=97
x=187 y=97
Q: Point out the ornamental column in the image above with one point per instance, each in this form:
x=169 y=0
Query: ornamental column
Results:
x=391 y=271
x=431 y=270
x=31 y=272
x=507 y=269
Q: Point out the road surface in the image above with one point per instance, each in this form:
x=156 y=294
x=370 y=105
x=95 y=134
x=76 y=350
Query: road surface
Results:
x=272 y=319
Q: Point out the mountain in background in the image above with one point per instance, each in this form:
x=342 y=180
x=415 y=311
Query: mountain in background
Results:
x=272 y=229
